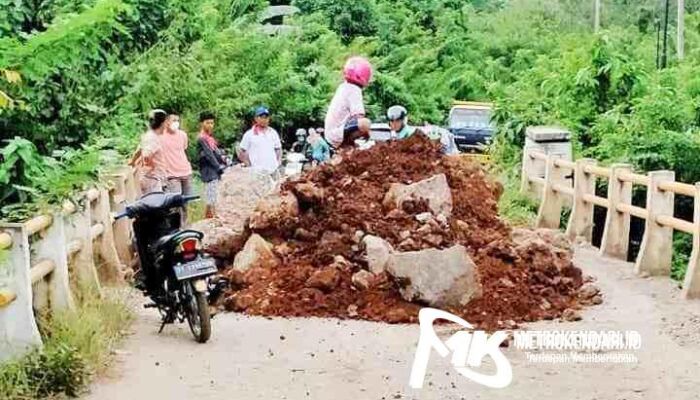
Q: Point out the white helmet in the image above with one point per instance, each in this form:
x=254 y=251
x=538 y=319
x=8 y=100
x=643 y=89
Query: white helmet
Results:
x=395 y=113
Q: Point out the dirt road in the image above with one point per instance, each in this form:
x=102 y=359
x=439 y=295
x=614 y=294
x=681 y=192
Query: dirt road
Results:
x=258 y=358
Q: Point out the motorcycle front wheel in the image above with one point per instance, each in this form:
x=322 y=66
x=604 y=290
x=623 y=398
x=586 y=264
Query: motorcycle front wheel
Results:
x=197 y=310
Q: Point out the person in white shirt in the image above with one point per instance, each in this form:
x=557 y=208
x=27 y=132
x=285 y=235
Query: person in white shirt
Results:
x=260 y=147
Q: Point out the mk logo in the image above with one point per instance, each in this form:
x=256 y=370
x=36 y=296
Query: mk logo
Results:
x=468 y=348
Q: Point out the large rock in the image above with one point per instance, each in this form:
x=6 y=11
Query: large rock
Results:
x=308 y=193
x=378 y=252
x=274 y=211
x=239 y=192
x=220 y=240
x=440 y=278
x=553 y=238
x=434 y=190
x=256 y=253
x=325 y=279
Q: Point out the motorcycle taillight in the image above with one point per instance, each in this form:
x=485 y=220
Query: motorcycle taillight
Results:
x=188 y=249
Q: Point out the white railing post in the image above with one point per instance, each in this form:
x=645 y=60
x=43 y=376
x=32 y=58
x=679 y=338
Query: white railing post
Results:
x=52 y=246
x=121 y=229
x=78 y=233
x=110 y=269
x=656 y=252
x=549 y=215
x=132 y=187
x=526 y=172
x=617 y=224
x=18 y=328
x=691 y=285
x=581 y=218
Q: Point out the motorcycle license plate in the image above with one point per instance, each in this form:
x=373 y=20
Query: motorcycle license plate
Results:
x=195 y=269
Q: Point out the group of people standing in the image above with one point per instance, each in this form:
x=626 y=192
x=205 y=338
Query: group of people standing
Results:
x=162 y=159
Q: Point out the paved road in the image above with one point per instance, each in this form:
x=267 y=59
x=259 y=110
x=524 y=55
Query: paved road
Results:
x=258 y=358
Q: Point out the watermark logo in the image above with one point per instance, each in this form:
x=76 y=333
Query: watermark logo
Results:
x=468 y=350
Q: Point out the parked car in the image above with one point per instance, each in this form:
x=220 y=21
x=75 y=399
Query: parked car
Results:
x=471 y=125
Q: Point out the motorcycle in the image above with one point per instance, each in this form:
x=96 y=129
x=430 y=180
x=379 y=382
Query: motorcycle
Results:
x=177 y=273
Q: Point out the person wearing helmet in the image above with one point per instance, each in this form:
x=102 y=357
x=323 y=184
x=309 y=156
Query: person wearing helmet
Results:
x=345 y=119
x=398 y=122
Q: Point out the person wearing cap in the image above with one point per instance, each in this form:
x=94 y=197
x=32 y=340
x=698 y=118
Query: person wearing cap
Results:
x=261 y=148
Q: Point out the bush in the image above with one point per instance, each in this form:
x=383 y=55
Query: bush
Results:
x=77 y=345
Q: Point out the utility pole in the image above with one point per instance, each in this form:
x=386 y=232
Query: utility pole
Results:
x=680 y=42
x=657 y=24
x=664 y=54
x=596 y=18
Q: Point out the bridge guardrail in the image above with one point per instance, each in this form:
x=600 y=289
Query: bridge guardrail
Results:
x=656 y=252
x=52 y=259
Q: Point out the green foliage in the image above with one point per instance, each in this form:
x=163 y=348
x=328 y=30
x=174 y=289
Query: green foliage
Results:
x=682 y=247
x=76 y=345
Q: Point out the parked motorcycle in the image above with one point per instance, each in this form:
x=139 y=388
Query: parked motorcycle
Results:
x=177 y=273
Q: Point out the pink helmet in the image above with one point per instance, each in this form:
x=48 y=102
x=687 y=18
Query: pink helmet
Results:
x=358 y=70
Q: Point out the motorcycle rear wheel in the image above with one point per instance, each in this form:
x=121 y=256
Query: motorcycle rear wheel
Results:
x=198 y=317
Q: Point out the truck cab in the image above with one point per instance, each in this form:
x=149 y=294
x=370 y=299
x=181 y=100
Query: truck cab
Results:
x=470 y=123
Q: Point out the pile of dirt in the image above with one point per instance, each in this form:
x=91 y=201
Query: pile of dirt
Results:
x=320 y=246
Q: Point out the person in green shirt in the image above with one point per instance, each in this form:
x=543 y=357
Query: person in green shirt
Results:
x=398 y=122
x=320 y=150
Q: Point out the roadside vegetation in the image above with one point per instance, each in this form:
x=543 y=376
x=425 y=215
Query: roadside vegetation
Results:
x=76 y=78
x=77 y=346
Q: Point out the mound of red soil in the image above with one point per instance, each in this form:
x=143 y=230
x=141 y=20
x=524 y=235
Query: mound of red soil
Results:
x=521 y=282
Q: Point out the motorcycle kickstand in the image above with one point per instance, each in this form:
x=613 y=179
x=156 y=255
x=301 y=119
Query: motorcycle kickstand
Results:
x=162 y=326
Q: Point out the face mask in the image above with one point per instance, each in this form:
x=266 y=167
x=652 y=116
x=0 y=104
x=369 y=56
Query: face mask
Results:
x=175 y=126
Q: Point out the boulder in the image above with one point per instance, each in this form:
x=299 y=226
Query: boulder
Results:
x=441 y=278
x=325 y=279
x=274 y=211
x=256 y=253
x=362 y=279
x=220 y=239
x=238 y=194
x=378 y=251
x=524 y=237
x=424 y=217
x=308 y=193
x=434 y=190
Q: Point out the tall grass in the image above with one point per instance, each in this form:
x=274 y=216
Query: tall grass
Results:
x=77 y=346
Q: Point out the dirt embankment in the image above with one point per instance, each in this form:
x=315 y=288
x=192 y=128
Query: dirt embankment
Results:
x=339 y=203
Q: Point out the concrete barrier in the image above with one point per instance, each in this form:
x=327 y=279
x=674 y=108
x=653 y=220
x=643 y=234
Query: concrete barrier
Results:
x=656 y=251
x=51 y=260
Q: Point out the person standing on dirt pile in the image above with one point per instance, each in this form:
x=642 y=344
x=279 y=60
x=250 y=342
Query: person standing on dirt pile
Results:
x=261 y=148
x=320 y=151
x=149 y=159
x=211 y=164
x=345 y=119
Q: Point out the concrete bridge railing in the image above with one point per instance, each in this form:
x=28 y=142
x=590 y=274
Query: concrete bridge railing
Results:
x=49 y=261
x=556 y=188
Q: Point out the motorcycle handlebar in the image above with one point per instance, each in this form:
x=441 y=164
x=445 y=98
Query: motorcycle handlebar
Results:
x=121 y=215
x=187 y=199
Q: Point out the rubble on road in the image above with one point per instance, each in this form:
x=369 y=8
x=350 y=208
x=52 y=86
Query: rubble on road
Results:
x=336 y=253
x=256 y=253
x=439 y=278
x=239 y=192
